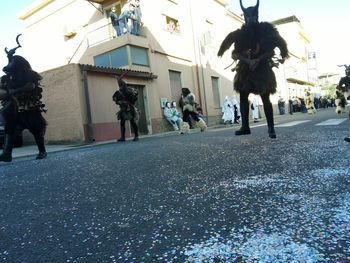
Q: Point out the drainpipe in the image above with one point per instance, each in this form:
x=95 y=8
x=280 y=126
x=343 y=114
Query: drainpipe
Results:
x=89 y=129
x=196 y=48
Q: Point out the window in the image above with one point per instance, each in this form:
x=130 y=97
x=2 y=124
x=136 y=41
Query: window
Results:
x=175 y=85
x=102 y=60
x=172 y=25
x=139 y=56
x=120 y=57
x=216 y=91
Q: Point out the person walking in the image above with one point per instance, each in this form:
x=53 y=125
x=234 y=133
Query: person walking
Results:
x=227 y=110
x=236 y=109
x=126 y=98
x=20 y=95
x=254 y=45
x=281 y=105
x=255 y=109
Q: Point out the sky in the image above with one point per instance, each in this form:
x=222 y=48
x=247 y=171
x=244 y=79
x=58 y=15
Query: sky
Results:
x=327 y=22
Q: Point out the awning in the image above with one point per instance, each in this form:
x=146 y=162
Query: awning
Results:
x=120 y=71
x=300 y=82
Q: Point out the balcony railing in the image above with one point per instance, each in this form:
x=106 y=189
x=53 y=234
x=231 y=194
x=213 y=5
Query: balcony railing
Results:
x=97 y=33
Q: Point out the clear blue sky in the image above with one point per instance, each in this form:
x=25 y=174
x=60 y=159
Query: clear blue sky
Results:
x=10 y=26
x=326 y=21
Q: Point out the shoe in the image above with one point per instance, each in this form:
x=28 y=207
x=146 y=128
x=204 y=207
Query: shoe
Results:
x=5 y=158
x=136 y=139
x=243 y=131
x=347 y=139
x=121 y=140
x=272 y=133
x=41 y=155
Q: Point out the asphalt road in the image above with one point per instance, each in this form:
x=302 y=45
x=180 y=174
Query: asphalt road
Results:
x=201 y=197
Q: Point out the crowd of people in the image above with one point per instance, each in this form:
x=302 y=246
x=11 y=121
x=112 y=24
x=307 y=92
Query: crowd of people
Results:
x=303 y=104
x=129 y=20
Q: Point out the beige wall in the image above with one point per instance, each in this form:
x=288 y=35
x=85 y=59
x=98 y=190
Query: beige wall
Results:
x=63 y=96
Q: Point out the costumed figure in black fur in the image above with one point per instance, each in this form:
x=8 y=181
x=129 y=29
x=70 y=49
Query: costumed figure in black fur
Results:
x=343 y=87
x=126 y=98
x=254 y=50
x=344 y=82
x=20 y=95
x=340 y=102
x=343 y=90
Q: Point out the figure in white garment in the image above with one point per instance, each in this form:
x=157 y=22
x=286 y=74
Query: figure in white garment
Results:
x=227 y=110
x=172 y=115
x=236 y=109
x=177 y=115
x=255 y=109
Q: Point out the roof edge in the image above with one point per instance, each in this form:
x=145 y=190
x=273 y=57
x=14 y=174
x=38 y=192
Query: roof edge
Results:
x=119 y=71
x=33 y=8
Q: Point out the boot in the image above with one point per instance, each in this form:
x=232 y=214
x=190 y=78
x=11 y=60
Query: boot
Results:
x=272 y=133
x=269 y=117
x=41 y=155
x=40 y=142
x=6 y=155
x=136 y=131
x=122 y=131
x=244 y=130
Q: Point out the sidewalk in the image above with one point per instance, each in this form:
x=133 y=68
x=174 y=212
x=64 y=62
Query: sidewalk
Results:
x=32 y=150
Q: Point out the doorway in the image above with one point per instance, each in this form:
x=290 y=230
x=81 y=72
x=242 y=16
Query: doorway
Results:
x=140 y=105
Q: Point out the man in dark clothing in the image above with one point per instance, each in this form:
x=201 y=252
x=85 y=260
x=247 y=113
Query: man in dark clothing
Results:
x=22 y=107
x=114 y=21
x=254 y=48
x=126 y=97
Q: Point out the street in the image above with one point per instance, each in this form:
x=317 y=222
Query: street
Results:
x=203 y=197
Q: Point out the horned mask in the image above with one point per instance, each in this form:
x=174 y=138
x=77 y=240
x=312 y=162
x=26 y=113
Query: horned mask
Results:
x=251 y=14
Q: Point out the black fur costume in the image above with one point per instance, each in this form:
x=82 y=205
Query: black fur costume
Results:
x=126 y=98
x=22 y=106
x=344 y=82
x=254 y=50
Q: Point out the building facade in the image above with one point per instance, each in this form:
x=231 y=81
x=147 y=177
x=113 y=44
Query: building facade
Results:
x=176 y=48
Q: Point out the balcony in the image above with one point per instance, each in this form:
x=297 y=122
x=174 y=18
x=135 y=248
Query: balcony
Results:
x=100 y=37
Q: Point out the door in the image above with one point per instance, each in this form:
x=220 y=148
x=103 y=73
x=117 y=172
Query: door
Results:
x=140 y=105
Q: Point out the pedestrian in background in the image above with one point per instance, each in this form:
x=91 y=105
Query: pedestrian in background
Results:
x=136 y=18
x=236 y=109
x=255 y=109
x=114 y=21
x=124 y=17
x=281 y=105
x=227 y=111
x=189 y=109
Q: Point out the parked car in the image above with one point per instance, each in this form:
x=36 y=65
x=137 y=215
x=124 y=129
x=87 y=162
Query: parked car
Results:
x=18 y=138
